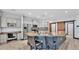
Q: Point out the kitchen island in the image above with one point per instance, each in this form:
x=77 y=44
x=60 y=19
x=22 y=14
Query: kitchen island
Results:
x=48 y=41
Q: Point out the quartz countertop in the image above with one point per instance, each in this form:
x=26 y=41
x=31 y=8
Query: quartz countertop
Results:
x=9 y=30
x=36 y=34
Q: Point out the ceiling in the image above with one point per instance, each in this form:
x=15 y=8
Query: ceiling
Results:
x=51 y=14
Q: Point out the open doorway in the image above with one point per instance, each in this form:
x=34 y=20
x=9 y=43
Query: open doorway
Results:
x=69 y=29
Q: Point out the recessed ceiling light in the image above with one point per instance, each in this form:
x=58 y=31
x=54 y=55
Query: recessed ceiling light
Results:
x=29 y=13
x=38 y=16
x=51 y=16
x=66 y=11
x=45 y=13
x=77 y=16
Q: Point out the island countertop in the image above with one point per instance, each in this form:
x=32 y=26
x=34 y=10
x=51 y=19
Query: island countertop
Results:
x=36 y=34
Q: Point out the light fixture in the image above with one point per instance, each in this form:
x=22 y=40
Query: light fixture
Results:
x=66 y=12
x=77 y=16
x=45 y=13
x=38 y=16
x=29 y=13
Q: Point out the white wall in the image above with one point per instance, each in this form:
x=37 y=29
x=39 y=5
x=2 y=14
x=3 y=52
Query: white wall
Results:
x=77 y=29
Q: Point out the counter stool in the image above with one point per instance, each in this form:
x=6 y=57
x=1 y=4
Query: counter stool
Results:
x=38 y=43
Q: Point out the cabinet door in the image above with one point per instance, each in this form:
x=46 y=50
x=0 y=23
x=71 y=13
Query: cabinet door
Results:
x=61 y=27
x=53 y=28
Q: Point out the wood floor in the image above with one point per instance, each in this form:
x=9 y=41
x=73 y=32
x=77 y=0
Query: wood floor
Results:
x=15 y=45
x=68 y=44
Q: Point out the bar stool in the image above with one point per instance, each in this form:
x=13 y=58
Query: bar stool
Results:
x=38 y=43
x=35 y=43
x=41 y=38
